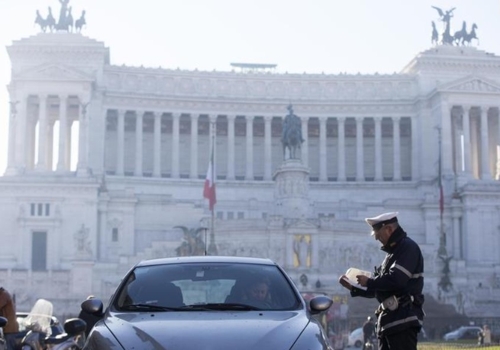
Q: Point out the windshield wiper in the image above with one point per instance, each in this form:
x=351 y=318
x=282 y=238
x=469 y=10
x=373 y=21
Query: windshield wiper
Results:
x=220 y=307
x=149 y=307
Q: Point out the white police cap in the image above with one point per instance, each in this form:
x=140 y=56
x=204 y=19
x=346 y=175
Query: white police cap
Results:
x=378 y=222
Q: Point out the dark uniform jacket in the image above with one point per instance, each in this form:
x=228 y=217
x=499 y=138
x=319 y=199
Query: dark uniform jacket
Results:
x=400 y=276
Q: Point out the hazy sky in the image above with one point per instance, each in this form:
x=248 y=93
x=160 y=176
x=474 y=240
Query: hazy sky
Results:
x=330 y=36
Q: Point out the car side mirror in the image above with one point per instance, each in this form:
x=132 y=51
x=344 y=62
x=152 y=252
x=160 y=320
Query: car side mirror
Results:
x=93 y=306
x=319 y=304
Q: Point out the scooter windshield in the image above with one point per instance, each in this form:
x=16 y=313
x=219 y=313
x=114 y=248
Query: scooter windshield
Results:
x=40 y=316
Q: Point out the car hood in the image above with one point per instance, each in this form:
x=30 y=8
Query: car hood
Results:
x=208 y=330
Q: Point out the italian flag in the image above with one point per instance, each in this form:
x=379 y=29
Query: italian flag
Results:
x=209 y=188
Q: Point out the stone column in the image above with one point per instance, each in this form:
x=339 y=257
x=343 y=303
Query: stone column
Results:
x=157 y=145
x=21 y=119
x=42 y=133
x=446 y=138
x=305 y=145
x=415 y=148
x=139 y=115
x=378 y=149
x=397 y=149
x=175 y=145
x=68 y=144
x=83 y=127
x=120 y=143
x=485 y=166
x=360 y=162
x=267 y=148
x=249 y=159
x=11 y=157
x=322 y=149
x=230 y=147
x=341 y=149
x=467 y=143
x=63 y=130
x=193 y=169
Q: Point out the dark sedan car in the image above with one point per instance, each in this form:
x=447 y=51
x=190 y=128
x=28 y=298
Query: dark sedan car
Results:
x=207 y=303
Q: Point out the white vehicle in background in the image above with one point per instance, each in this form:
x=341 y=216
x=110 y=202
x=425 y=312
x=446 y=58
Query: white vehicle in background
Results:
x=356 y=338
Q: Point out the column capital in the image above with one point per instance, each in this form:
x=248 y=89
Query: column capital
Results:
x=213 y=117
x=42 y=96
x=396 y=119
x=341 y=119
x=249 y=118
x=139 y=113
x=194 y=116
x=157 y=114
x=466 y=108
x=359 y=119
x=323 y=119
x=63 y=97
x=378 y=119
x=121 y=111
x=268 y=118
x=304 y=118
x=231 y=117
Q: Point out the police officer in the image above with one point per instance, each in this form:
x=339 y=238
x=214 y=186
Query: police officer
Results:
x=397 y=285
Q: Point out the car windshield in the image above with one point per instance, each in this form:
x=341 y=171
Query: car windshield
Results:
x=206 y=287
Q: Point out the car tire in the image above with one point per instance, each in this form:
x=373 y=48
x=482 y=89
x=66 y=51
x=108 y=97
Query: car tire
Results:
x=358 y=343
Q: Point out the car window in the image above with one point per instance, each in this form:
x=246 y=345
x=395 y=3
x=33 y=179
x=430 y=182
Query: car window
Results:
x=179 y=285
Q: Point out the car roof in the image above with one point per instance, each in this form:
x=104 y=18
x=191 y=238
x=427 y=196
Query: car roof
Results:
x=206 y=259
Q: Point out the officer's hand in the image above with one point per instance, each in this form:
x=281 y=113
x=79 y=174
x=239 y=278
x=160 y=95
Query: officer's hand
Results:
x=344 y=283
x=362 y=280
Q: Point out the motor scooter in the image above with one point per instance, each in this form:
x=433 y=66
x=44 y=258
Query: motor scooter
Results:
x=39 y=331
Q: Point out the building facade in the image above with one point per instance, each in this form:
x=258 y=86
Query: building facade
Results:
x=106 y=166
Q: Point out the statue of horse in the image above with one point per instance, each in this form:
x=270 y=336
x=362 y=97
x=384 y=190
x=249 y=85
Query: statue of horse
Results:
x=471 y=35
x=50 y=20
x=41 y=21
x=80 y=22
x=435 y=35
x=292 y=134
x=69 y=20
x=458 y=37
x=447 y=38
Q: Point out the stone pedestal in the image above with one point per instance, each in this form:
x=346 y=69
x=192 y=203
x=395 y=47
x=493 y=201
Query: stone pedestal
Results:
x=291 y=193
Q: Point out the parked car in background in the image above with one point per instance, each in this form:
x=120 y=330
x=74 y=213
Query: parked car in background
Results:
x=356 y=338
x=190 y=303
x=464 y=333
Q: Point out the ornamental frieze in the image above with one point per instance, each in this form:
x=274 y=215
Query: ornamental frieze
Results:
x=241 y=86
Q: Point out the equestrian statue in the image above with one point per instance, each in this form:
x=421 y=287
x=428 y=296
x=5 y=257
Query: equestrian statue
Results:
x=291 y=136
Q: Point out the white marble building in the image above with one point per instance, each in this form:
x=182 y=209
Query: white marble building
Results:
x=371 y=145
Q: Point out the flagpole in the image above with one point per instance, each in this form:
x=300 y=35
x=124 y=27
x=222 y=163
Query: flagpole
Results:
x=212 y=248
